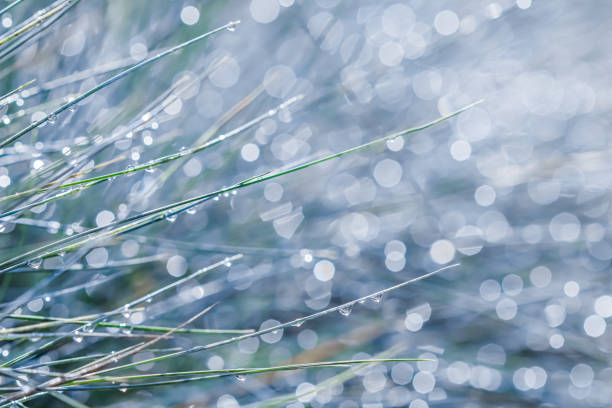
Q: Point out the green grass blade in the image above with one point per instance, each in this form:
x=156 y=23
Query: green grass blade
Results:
x=110 y=81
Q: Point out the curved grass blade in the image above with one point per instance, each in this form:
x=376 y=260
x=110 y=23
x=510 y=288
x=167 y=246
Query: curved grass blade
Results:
x=83 y=358
x=10 y=6
x=296 y=322
x=87 y=320
x=117 y=356
x=330 y=382
x=40 y=25
x=174 y=208
x=3 y=98
x=153 y=163
x=127 y=306
x=111 y=80
x=227 y=372
x=36 y=21
x=39 y=335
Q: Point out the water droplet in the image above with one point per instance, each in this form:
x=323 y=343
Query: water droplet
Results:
x=47 y=299
x=170 y=217
x=346 y=310
x=232 y=25
x=241 y=377
x=66 y=151
x=72 y=108
x=150 y=169
x=126 y=329
x=226 y=194
x=376 y=298
x=35 y=263
x=149 y=300
x=228 y=264
x=130 y=168
x=123 y=327
x=52 y=118
x=298 y=324
x=191 y=211
x=78 y=339
x=2 y=227
x=88 y=328
x=126 y=311
x=272 y=112
x=123 y=388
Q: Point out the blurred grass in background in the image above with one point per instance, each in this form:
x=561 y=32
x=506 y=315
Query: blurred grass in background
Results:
x=170 y=172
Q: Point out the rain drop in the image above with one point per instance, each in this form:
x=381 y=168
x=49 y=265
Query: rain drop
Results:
x=125 y=329
x=232 y=25
x=345 y=310
x=376 y=298
x=241 y=377
x=170 y=217
x=52 y=118
x=35 y=263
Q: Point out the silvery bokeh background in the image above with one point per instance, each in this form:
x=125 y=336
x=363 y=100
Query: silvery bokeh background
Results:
x=515 y=190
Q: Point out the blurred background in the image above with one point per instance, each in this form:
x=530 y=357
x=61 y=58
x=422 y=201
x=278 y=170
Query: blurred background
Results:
x=515 y=190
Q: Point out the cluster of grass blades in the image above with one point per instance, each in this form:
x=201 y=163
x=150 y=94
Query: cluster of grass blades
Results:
x=39 y=364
